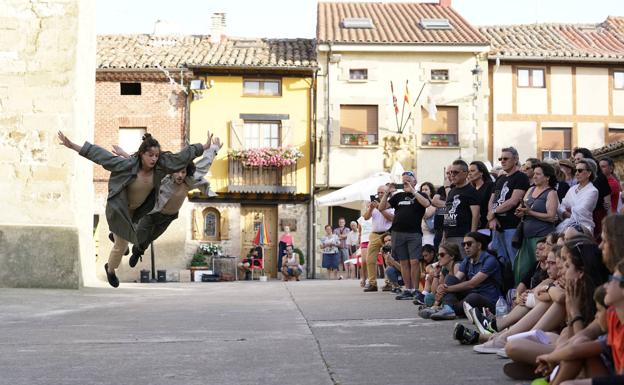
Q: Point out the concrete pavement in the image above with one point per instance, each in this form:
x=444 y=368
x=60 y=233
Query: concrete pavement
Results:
x=308 y=332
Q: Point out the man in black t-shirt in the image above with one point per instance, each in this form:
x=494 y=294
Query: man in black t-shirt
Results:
x=462 y=206
x=409 y=209
x=508 y=193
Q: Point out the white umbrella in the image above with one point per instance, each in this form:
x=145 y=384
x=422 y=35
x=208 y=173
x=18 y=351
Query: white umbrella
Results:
x=358 y=191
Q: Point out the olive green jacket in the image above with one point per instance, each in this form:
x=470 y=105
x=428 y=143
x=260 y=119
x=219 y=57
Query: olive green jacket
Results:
x=123 y=173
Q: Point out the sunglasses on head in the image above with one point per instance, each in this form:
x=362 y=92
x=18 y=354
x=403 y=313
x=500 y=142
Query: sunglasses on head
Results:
x=408 y=173
x=612 y=277
x=467 y=244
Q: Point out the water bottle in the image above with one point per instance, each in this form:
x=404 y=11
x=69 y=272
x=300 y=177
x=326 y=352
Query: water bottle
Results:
x=501 y=307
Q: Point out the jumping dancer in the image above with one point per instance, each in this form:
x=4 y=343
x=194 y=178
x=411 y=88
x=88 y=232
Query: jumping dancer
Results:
x=132 y=186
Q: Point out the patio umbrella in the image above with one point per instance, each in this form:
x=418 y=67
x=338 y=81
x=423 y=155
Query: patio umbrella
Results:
x=358 y=191
x=261 y=239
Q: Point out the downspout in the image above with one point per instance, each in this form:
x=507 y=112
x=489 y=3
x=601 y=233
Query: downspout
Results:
x=311 y=244
x=328 y=119
x=186 y=135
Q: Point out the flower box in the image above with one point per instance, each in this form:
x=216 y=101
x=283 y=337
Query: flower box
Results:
x=266 y=157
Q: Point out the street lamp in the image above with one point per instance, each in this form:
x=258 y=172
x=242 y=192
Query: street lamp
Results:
x=476 y=77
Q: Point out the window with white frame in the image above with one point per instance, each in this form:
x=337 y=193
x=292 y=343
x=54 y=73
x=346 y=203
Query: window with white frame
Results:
x=262 y=87
x=556 y=143
x=531 y=77
x=262 y=134
x=618 y=80
x=358 y=74
x=130 y=138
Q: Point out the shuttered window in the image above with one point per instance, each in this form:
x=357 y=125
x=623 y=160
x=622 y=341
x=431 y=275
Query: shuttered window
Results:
x=556 y=143
x=441 y=131
x=359 y=124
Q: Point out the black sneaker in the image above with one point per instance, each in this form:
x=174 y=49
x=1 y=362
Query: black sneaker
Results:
x=419 y=298
x=464 y=335
x=371 y=288
x=112 y=278
x=479 y=320
x=405 y=295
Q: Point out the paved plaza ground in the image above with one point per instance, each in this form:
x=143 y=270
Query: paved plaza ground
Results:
x=310 y=332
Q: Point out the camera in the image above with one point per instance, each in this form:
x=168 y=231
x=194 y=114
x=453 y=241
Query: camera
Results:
x=374 y=198
x=398 y=186
x=386 y=249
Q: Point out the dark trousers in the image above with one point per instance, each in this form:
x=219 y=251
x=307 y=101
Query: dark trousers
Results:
x=151 y=227
x=456 y=300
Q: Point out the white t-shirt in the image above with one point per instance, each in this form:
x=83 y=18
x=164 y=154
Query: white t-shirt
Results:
x=367 y=228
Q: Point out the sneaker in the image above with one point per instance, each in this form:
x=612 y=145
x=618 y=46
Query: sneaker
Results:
x=482 y=324
x=386 y=288
x=340 y=277
x=406 y=294
x=370 y=288
x=467 y=309
x=464 y=335
x=446 y=313
x=502 y=353
x=426 y=312
x=490 y=347
x=397 y=290
x=419 y=298
x=135 y=257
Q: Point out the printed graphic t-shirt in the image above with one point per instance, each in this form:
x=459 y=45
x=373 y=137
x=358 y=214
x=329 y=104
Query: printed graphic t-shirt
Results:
x=408 y=213
x=503 y=190
x=458 y=217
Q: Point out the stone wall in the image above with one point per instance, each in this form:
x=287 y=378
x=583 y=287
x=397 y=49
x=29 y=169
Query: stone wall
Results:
x=46 y=85
x=299 y=213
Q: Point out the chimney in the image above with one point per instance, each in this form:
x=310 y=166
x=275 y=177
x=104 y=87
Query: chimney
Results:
x=217 y=31
x=445 y=3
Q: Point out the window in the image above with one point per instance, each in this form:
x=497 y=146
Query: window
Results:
x=357 y=22
x=358 y=74
x=556 y=143
x=358 y=124
x=618 y=80
x=262 y=134
x=435 y=24
x=130 y=138
x=531 y=77
x=440 y=75
x=443 y=130
x=262 y=87
x=212 y=221
x=130 y=88
x=615 y=134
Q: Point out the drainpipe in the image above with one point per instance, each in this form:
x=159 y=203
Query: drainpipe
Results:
x=186 y=135
x=328 y=119
x=311 y=244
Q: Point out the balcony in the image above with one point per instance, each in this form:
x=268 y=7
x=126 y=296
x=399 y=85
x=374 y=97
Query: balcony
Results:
x=273 y=180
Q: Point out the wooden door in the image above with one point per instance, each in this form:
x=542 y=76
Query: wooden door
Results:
x=251 y=218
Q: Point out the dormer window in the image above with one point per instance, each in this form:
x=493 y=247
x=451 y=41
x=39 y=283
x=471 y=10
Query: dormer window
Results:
x=357 y=22
x=358 y=74
x=435 y=24
x=439 y=75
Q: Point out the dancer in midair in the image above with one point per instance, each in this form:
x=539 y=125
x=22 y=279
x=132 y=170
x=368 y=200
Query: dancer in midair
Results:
x=132 y=186
x=174 y=189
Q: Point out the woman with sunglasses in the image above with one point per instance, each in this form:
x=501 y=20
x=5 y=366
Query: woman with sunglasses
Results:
x=578 y=205
x=449 y=259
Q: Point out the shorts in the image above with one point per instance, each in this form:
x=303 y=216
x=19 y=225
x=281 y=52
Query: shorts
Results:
x=330 y=261
x=293 y=271
x=406 y=246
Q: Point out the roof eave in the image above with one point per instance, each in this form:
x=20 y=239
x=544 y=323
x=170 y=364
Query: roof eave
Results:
x=556 y=59
x=267 y=68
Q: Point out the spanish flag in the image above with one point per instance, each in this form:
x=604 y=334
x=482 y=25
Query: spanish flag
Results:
x=394 y=99
x=406 y=97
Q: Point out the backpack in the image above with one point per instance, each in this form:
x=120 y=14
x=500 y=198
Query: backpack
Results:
x=507 y=274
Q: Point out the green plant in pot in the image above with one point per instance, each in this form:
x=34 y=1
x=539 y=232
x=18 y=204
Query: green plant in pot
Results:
x=198 y=259
x=302 y=257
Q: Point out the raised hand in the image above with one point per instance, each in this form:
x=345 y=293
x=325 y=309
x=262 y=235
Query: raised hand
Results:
x=64 y=141
x=216 y=141
x=208 y=141
x=120 y=151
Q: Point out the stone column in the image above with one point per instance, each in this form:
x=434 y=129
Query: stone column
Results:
x=47 y=83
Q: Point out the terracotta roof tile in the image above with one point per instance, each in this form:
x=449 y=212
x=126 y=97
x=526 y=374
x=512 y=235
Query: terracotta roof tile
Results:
x=561 y=42
x=609 y=149
x=151 y=51
x=394 y=23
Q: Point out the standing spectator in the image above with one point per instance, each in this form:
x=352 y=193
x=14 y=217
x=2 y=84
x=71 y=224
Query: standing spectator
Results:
x=353 y=238
x=329 y=247
x=428 y=225
x=365 y=227
x=382 y=221
x=562 y=186
x=439 y=202
x=343 y=249
x=462 y=206
x=481 y=179
x=608 y=166
x=409 y=208
x=603 y=204
x=567 y=167
x=508 y=193
x=578 y=204
x=539 y=212
x=528 y=166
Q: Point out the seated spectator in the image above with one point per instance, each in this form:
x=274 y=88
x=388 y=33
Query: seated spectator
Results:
x=477 y=283
x=449 y=259
x=429 y=259
x=254 y=258
x=393 y=269
x=578 y=205
x=290 y=265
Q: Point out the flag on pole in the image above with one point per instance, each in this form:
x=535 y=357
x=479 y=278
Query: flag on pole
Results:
x=394 y=100
x=406 y=97
x=431 y=108
x=262 y=236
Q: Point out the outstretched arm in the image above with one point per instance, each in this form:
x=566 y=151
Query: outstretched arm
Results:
x=98 y=155
x=174 y=162
x=203 y=165
x=68 y=143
